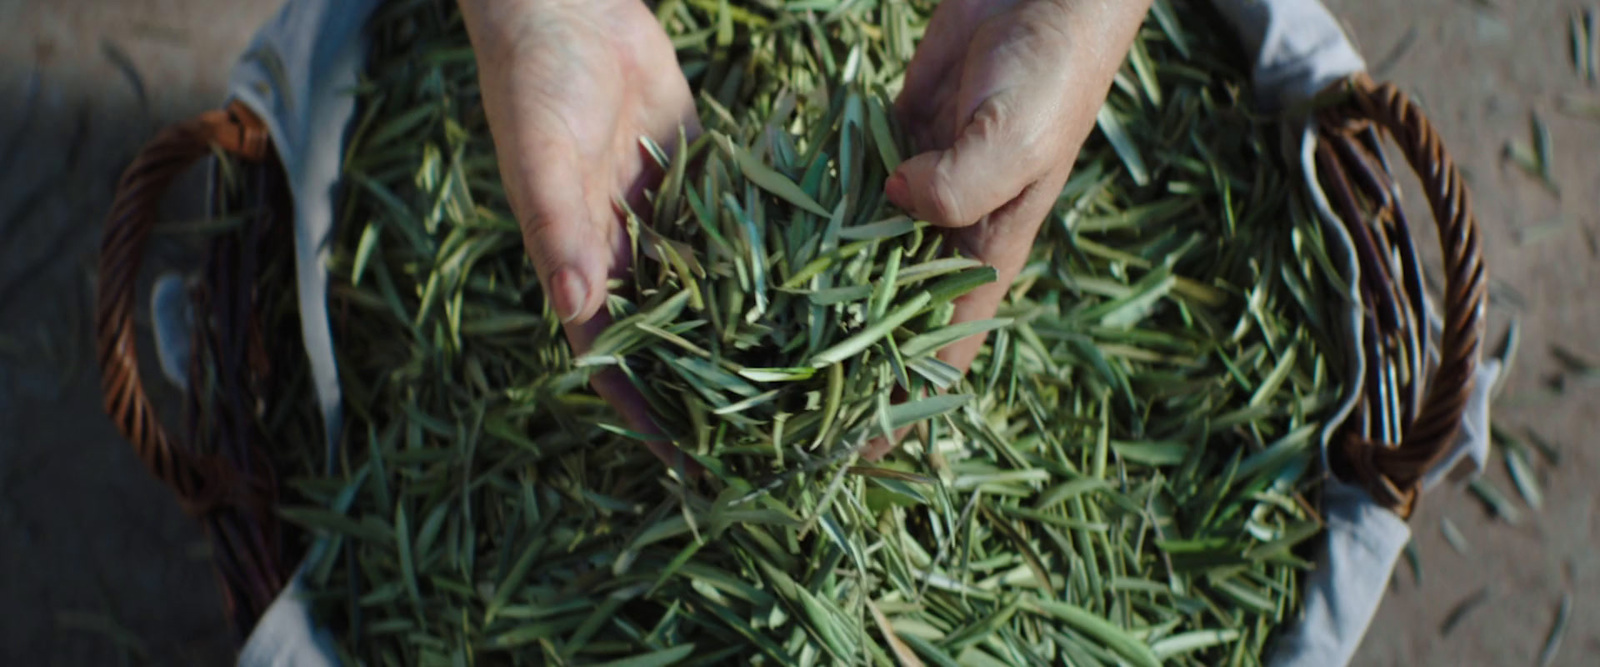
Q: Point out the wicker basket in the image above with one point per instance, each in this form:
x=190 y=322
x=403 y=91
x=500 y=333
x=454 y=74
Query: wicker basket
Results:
x=219 y=464
x=1405 y=419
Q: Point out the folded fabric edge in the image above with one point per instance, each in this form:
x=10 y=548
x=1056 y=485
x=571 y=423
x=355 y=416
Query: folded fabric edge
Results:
x=297 y=76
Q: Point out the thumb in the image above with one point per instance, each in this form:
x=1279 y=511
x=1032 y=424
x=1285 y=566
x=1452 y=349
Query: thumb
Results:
x=567 y=247
x=987 y=167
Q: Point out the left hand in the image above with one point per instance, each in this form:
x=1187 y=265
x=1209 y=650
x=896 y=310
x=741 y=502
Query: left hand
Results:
x=1001 y=95
x=569 y=87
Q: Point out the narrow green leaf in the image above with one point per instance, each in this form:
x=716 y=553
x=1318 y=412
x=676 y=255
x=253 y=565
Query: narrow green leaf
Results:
x=933 y=341
x=1132 y=650
x=772 y=181
x=661 y=658
x=1112 y=127
x=863 y=339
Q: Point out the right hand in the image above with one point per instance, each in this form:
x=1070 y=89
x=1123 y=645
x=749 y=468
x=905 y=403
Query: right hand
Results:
x=569 y=88
x=999 y=99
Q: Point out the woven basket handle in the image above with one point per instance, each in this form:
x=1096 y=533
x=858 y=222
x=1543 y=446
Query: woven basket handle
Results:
x=1393 y=472
x=197 y=479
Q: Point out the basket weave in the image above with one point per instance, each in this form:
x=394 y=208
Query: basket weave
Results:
x=1390 y=462
x=219 y=465
x=1401 y=426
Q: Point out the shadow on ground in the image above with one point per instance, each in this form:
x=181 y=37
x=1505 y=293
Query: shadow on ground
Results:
x=100 y=566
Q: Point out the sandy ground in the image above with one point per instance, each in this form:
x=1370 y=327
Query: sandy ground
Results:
x=100 y=567
x=1483 y=69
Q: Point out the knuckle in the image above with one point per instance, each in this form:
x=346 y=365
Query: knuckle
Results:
x=1038 y=156
x=989 y=119
x=1039 y=30
x=537 y=231
x=1017 y=134
x=536 y=227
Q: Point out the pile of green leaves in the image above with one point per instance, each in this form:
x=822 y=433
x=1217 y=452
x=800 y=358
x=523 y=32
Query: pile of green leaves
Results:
x=780 y=301
x=1120 y=479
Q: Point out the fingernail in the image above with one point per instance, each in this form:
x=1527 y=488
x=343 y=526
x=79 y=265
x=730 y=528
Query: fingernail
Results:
x=568 y=293
x=898 y=190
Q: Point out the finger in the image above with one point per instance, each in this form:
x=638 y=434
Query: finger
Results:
x=563 y=238
x=929 y=71
x=979 y=304
x=620 y=394
x=548 y=171
x=944 y=45
x=538 y=164
x=988 y=166
x=1003 y=241
x=880 y=446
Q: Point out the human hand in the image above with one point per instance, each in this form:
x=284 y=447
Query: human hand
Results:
x=1001 y=95
x=569 y=88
